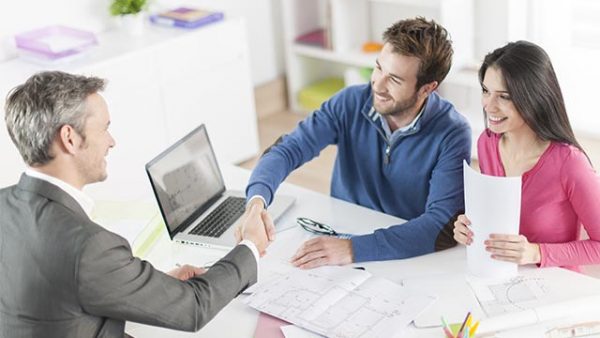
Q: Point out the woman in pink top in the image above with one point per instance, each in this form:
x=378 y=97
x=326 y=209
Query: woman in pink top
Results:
x=529 y=135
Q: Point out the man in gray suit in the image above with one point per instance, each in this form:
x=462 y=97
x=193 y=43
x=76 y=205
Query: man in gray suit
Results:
x=62 y=274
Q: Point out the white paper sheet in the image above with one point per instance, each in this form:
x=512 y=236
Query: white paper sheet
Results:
x=534 y=296
x=340 y=302
x=455 y=299
x=493 y=205
x=270 y=269
x=586 y=326
x=60 y=43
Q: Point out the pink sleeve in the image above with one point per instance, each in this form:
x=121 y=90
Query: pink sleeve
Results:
x=582 y=187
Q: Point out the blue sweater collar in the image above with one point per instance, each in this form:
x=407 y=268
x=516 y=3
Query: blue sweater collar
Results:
x=429 y=112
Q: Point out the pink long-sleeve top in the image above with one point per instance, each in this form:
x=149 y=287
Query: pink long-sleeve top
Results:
x=560 y=193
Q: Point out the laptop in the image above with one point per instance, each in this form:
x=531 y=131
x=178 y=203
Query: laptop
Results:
x=189 y=188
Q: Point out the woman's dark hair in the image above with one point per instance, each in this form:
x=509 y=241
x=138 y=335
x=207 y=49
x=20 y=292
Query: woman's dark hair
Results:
x=533 y=87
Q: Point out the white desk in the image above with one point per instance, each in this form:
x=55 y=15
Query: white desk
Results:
x=239 y=320
x=343 y=216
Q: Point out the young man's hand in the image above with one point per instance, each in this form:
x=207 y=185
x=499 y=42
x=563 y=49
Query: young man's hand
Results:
x=323 y=251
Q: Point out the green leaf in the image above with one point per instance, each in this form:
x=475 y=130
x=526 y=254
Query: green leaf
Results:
x=123 y=7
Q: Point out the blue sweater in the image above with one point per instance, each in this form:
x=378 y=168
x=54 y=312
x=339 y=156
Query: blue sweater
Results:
x=420 y=178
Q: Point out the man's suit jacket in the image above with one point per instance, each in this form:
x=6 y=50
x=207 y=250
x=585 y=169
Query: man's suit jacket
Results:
x=62 y=275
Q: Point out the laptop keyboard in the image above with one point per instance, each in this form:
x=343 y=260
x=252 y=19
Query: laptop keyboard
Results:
x=220 y=219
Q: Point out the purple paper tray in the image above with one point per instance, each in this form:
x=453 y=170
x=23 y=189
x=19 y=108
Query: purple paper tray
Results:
x=54 y=42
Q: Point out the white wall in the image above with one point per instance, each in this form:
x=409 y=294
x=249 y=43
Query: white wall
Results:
x=497 y=22
x=263 y=27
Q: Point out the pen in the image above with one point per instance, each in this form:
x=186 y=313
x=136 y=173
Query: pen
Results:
x=468 y=325
x=462 y=327
x=205 y=267
x=446 y=329
x=473 y=329
x=277 y=230
x=359 y=268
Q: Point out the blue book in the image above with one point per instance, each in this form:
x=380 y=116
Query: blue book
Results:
x=185 y=17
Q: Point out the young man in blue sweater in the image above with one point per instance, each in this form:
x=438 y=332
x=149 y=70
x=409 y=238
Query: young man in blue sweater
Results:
x=400 y=151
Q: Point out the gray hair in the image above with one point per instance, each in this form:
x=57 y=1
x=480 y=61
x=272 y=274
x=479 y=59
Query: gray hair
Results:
x=37 y=109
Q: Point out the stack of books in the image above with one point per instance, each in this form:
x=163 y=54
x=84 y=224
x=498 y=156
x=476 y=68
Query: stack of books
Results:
x=185 y=17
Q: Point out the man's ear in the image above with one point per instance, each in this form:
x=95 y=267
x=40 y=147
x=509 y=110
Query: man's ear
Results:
x=428 y=88
x=68 y=139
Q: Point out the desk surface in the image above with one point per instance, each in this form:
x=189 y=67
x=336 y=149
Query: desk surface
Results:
x=343 y=216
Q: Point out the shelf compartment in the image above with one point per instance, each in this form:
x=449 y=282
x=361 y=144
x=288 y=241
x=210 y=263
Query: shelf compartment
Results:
x=351 y=58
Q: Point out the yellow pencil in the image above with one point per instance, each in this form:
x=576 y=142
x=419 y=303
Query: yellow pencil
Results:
x=468 y=325
x=473 y=329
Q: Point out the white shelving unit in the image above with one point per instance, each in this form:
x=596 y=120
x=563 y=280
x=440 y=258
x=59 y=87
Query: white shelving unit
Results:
x=350 y=23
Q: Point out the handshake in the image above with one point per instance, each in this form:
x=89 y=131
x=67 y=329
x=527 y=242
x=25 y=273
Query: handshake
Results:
x=256 y=225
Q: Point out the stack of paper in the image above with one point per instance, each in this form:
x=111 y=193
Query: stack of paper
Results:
x=340 y=302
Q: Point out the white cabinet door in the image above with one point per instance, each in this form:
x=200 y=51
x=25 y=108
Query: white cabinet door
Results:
x=210 y=83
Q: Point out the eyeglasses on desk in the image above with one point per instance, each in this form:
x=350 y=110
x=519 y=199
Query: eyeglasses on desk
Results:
x=319 y=228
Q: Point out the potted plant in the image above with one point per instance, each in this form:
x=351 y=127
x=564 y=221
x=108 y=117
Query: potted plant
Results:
x=130 y=13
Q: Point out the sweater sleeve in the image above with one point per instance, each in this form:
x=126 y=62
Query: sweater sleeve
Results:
x=582 y=186
x=418 y=235
x=304 y=143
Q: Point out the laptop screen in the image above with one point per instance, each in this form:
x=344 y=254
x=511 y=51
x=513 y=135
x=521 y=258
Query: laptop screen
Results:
x=186 y=179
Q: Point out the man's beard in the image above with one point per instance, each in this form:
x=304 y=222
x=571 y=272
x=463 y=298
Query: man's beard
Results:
x=400 y=108
x=91 y=169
